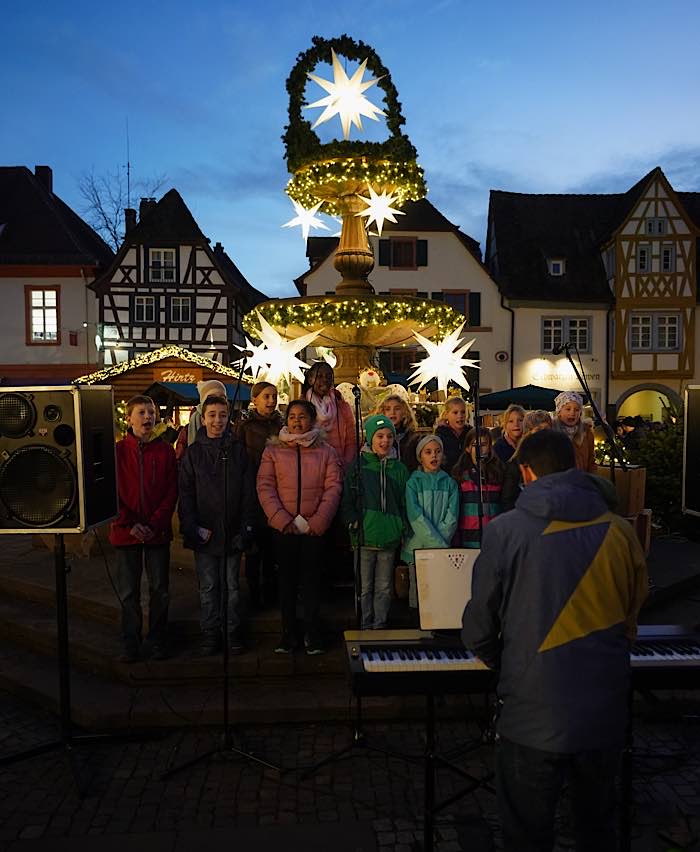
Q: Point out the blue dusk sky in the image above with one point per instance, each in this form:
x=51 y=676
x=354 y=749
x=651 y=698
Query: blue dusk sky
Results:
x=526 y=96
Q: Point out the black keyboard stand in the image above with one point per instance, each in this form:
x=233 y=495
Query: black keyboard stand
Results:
x=358 y=740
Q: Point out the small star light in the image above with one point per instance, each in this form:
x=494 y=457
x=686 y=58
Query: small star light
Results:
x=306 y=219
x=345 y=97
x=279 y=354
x=444 y=362
x=256 y=363
x=379 y=208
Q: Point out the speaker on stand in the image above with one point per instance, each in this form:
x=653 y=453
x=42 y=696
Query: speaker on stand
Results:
x=57 y=475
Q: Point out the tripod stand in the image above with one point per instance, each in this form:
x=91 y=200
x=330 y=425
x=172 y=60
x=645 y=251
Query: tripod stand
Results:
x=68 y=741
x=227 y=747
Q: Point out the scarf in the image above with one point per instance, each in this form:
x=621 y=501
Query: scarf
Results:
x=326 y=408
x=306 y=439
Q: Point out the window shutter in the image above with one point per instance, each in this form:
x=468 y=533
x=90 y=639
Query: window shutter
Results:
x=384 y=252
x=475 y=309
x=421 y=252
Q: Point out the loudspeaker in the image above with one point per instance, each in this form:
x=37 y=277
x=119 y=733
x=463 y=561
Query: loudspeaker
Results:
x=57 y=459
x=691 y=452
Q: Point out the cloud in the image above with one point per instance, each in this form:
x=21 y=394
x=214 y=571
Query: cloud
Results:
x=681 y=165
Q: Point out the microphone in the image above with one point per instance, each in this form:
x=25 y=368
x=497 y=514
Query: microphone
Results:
x=562 y=347
x=238 y=353
x=356 y=391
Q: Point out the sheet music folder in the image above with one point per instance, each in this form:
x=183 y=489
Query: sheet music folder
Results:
x=444 y=579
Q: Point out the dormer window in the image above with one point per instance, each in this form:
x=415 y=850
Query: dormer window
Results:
x=657 y=225
x=556 y=265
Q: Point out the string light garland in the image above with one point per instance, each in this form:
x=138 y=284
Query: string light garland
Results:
x=354 y=313
x=144 y=359
x=328 y=179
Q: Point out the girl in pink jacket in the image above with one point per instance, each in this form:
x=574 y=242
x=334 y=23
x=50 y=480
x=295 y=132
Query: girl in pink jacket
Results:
x=299 y=486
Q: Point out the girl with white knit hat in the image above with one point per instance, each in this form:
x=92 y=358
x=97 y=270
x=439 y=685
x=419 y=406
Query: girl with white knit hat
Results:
x=568 y=407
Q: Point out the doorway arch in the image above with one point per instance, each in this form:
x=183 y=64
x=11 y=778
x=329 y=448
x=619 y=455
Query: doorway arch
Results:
x=643 y=399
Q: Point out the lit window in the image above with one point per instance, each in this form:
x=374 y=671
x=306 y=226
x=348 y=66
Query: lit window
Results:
x=43 y=315
x=180 y=309
x=144 y=309
x=161 y=265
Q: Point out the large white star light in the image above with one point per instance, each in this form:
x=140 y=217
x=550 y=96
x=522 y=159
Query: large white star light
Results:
x=345 y=98
x=256 y=363
x=379 y=208
x=444 y=361
x=279 y=354
x=306 y=219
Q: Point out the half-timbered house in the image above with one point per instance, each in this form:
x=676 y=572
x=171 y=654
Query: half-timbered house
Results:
x=168 y=285
x=48 y=257
x=615 y=275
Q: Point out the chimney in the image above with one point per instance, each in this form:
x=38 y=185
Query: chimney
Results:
x=45 y=177
x=129 y=219
x=146 y=205
x=218 y=248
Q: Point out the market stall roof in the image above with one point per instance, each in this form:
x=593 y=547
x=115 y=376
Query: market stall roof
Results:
x=529 y=396
x=186 y=392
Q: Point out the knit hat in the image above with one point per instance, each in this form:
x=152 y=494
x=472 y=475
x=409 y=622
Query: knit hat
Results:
x=425 y=440
x=212 y=387
x=565 y=397
x=377 y=421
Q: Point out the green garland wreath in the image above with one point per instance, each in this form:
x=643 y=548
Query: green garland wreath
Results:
x=303 y=147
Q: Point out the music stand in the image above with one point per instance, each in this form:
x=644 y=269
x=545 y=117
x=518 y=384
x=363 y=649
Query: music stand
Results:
x=226 y=748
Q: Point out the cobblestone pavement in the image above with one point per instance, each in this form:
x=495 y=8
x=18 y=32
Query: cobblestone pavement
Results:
x=125 y=796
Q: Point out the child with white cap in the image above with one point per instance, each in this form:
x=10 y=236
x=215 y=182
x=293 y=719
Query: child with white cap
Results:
x=568 y=407
x=432 y=506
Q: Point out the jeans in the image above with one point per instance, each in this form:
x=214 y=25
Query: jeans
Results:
x=376 y=579
x=130 y=562
x=209 y=573
x=529 y=783
x=299 y=559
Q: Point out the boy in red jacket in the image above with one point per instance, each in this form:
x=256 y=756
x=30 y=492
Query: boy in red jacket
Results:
x=141 y=533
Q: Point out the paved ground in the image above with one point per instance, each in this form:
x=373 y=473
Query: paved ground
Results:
x=368 y=801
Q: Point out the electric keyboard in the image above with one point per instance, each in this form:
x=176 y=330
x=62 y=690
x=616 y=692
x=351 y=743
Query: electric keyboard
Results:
x=414 y=662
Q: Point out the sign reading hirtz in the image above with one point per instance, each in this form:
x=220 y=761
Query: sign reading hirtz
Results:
x=186 y=375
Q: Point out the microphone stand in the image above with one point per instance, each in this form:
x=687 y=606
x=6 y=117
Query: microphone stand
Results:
x=615 y=451
x=479 y=478
x=359 y=506
x=227 y=748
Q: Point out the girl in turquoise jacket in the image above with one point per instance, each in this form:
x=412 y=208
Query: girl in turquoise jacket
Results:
x=432 y=507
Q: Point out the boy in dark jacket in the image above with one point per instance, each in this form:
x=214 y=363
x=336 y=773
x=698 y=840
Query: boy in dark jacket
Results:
x=374 y=494
x=214 y=513
x=141 y=533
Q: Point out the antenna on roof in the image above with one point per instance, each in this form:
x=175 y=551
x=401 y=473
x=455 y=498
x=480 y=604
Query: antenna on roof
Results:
x=128 y=167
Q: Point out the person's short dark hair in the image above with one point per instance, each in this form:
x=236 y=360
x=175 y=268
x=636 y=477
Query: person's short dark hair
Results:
x=309 y=407
x=547 y=451
x=628 y=421
x=139 y=399
x=213 y=400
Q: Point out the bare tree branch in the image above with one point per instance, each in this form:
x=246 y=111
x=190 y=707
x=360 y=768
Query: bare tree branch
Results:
x=105 y=198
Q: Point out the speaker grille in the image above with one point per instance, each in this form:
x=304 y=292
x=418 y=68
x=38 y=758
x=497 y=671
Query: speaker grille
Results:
x=37 y=486
x=17 y=415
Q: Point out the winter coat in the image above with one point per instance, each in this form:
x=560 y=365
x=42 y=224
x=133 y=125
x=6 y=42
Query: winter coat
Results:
x=294 y=480
x=432 y=507
x=341 y=435
x=374 y=492
x=470 y=531
x=453 y=445
x=202 y=493
x=255 y=431
x=147 y=486
x=584 y=451
x=405 y=445
x=556 y=592
x=503 y=449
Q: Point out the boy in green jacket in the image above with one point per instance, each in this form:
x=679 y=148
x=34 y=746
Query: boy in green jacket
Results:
x=374 y=494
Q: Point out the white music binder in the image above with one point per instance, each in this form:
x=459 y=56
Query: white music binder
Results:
x=444 y=579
